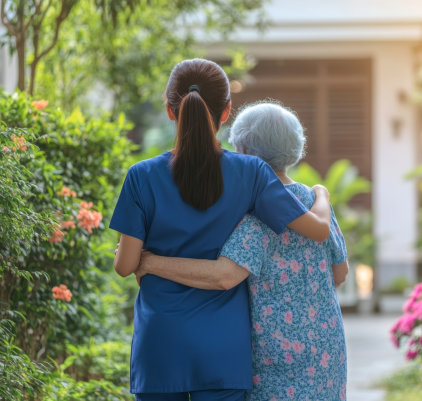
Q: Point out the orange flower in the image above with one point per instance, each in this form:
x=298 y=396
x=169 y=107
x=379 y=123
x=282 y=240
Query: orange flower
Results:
x=20 y=142
x=68 y=224
x=40 y=104
x=65 y=191
x=86 y=205
x=62 y=293
x=57 y=235
x=88 y=219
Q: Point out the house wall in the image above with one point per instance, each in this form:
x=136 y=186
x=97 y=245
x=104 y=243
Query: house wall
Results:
x=8 y=68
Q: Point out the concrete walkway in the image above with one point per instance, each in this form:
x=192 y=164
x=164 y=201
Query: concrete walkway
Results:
x=371 y=355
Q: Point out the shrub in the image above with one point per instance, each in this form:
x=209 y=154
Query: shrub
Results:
x=407 y=331
x=58 y=176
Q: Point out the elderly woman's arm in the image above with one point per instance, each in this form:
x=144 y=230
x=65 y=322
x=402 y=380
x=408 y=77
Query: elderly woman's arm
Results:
x=220 y=274
x=315 y=224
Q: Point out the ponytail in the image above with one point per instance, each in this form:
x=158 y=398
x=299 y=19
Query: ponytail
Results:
x=196 y=160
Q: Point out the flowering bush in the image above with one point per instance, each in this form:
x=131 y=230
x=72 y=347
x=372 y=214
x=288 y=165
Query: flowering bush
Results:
x=58 y=176
x=407 y=330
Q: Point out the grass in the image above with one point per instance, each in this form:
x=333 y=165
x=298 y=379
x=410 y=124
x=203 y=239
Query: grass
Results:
x=406 y=384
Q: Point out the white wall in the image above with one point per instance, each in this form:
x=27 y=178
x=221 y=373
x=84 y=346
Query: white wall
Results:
x=8 y=68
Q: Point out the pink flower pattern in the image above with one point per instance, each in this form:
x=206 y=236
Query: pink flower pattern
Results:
x=296 y=318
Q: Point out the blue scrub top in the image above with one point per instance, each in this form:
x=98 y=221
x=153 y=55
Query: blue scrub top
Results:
x=187 y=339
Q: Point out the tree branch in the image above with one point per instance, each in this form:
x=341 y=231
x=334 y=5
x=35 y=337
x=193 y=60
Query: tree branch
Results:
x=7 y=23
x=64 y=12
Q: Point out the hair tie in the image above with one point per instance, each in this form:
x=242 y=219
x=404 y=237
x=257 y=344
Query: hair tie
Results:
x=194 y=88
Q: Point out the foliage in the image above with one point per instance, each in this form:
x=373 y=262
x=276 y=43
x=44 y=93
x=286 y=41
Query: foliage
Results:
x=60 y=174
x=397 y=286
x=405 y=384
x=407 y=331
x=343 y=183
x=18 y=374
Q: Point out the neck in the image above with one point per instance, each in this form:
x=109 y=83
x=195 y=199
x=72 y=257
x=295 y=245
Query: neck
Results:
x=284 y=178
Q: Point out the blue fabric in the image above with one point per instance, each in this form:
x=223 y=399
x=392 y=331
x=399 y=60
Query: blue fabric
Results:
x=207 y=395
x=299 y=350
x=187 y=339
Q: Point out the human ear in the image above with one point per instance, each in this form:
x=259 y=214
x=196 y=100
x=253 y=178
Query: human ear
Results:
x=226 y=112
x=170 y=113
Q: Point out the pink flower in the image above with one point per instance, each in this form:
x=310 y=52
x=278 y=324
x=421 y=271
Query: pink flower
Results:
x=284 y=278
x=295 y=266
x=298 y=347
x=311 y=313
x=314 y=349
x=285 y=343
x=288 y=316
x=265 y=241
x=6 y=149
x=323 y=265
x=258 y=328
x=277 y=334
x=329 y=383
x=282 y=263
x=288 y=357
x=268 y=361
x=245 y=245
x=266 y=286
x=324 y=325
x=256 y=379
x=252 y=289
x=411 y=354
x=291 y=392
x=310 y=269
x=324 y=359
x=285 y=238
x=267 y=310
x=311 y=371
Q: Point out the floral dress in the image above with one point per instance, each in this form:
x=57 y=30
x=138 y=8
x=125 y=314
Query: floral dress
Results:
x=299 y=350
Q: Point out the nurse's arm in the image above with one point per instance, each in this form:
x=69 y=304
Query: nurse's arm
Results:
x=315 y=224
x=220 y=274
x=127 y=256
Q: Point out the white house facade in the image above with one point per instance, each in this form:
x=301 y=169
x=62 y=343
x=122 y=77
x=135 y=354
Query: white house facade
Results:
x=8 y=67
x=354 y=63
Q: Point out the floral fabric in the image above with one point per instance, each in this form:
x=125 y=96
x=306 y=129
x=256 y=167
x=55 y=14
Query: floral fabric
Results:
x=299 y=350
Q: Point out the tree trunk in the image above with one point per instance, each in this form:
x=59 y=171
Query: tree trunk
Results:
x=20 y=50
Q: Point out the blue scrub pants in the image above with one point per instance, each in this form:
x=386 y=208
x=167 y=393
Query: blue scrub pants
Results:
x=207 y=395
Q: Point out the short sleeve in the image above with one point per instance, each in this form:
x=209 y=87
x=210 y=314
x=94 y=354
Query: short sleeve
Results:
x=274 y=204
x=247 y=244
x=335 y=242
x=129 y=216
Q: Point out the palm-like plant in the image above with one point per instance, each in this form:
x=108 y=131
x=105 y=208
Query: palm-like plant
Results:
x=343 y=182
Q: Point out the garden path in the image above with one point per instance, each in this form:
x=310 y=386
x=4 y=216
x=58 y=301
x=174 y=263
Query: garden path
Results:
x=371 y=355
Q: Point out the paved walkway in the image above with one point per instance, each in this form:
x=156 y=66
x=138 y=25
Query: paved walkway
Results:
x=371 y=356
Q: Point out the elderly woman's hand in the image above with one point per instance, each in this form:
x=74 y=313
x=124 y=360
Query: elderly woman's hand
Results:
x=142 y=267
x=320 y=190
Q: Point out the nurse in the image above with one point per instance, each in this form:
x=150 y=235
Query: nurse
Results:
x=185 y=203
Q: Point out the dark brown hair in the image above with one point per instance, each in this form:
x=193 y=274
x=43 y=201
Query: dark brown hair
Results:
x=197 y=92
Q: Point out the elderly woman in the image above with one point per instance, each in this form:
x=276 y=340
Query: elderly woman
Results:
x=298 y=342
